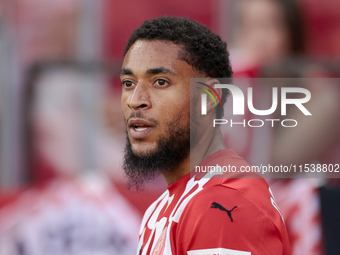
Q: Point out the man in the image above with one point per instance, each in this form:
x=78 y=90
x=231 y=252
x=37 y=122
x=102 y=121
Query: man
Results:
x=195 y=215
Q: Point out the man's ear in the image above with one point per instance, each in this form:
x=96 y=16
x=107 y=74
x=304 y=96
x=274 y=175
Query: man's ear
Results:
x=216 y=93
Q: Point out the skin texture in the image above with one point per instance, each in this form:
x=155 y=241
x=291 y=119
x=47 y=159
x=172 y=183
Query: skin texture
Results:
x=156 y=84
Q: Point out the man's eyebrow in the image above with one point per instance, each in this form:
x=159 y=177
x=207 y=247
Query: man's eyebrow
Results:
x=158 y=70
x=125 y=71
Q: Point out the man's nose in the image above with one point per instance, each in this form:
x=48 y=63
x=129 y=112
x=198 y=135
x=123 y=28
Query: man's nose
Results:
x=140 y=98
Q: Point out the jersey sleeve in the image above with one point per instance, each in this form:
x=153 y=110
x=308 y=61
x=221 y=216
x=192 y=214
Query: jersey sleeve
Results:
x=223 y=221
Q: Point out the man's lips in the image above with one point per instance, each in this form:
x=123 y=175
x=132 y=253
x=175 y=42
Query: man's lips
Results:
x=139 y=128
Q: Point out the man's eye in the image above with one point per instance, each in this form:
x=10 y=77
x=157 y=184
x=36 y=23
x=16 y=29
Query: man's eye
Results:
x=127 y=84
x=161 y=82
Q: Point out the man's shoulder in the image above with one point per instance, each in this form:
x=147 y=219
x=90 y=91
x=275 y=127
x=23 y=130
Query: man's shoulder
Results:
x=245 y=193
x=229 y=174
x=244 y=206
x=245 y=223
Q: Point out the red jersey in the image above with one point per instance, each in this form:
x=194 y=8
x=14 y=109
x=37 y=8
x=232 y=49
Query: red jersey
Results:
x=206 y=216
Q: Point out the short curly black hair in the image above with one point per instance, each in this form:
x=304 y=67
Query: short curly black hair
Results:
x=203 y=50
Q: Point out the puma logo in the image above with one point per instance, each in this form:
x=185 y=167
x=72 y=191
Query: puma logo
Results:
x=218 y=206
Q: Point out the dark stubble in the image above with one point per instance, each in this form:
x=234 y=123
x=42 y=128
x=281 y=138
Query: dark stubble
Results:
x=171 y=150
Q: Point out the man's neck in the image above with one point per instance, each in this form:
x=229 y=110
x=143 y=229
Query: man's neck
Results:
x=210 y=143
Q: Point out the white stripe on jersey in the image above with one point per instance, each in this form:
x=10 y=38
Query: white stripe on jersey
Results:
x=174 y=217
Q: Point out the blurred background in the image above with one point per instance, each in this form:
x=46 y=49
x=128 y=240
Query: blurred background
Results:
x=62 y=134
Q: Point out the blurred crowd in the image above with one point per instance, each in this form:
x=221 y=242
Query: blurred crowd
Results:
x=62 y=190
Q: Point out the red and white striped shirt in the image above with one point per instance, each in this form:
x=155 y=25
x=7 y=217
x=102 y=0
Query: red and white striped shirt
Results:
x=226 y=216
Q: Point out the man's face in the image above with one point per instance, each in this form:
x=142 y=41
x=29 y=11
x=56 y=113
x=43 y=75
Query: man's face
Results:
x=156 y=105
x=156 y=84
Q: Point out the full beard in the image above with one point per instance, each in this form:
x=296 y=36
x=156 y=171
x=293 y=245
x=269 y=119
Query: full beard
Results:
x=170 y=152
